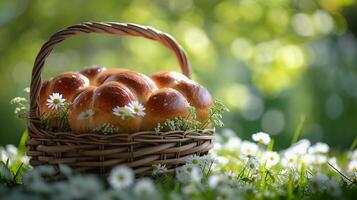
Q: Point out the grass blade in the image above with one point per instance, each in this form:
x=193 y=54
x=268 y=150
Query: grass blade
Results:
x=298 y=130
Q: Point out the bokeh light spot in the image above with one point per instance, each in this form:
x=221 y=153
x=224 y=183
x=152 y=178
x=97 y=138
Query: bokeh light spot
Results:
x=273 y=121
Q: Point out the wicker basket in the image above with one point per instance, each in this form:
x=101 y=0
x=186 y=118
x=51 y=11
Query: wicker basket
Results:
x=96 y=153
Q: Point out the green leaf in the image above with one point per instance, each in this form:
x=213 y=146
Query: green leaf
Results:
x=22 y=144
x=298 y=130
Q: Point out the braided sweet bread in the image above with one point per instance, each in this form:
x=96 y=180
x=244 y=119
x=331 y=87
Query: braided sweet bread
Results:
x=123 y=98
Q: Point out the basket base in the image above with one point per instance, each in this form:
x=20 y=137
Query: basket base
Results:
x=98 y=154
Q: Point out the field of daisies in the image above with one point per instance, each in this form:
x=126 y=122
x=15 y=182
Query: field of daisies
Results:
x=234 y=169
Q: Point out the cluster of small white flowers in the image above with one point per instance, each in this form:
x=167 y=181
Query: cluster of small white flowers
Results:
x=21 y=108
x=128 y=111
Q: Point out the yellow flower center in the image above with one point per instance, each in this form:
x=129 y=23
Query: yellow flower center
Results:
x=121 y=178
x=56 y=101
x=189 y=169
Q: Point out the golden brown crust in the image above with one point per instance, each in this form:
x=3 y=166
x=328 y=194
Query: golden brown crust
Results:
x=112 y=94
x=92 y=72
x=167 y=79
x=100 y=101
x=140 y=84
x=164 y=104
x=69 y=84
x=101 y=77
x=196 y=95
x=82 y=103
x=95 y=92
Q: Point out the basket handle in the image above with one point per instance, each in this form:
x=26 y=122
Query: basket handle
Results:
x=109 y=28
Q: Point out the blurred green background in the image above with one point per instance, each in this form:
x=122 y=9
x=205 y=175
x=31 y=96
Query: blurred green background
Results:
x=273 y=62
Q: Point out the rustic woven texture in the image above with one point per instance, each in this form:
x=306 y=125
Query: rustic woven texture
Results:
x=98 y=153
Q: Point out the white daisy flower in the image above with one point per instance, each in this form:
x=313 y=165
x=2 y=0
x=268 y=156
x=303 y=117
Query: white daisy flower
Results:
x=319 y=148
x=229 y=133
x=216 y=181
x=261 y=137
x=333 y=187
x=5 y=172
x=352 y=166
x=158 y=169
x=308 y=159
x=233 y=144
x=300 y=148
x=137 y=108
x=3 y=155
x=225 y=193
x=188 y=168
x=189 y=190
x=121 y=177
x=83 y=187
x=320 y=159
x=25 y=160
x=144 y=187
x=334 y=163
x=85 y=114
x=194 y=160
x=196 y=174
x=8 y=154
x=55 y=101
x=46 y=170
x=189 y=172
x=231 y=177
x=122 y=112
x=248 y=189
x=208 y=160
x=222 y=160
x=183 y=175
x=65 y=170
x=253 y=164
x=248 y=149
x=290 y=159
x=354 y=155
x=318 y=182
x=33 y=180
x=271 y=158
x=11 y=150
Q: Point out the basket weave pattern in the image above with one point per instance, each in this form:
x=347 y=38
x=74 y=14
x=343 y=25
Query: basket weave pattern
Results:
x=98 y=153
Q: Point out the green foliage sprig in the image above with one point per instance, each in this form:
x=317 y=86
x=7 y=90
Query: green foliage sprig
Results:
x=216 y=114
x=56 y=121
x=191 y=123
x=107 y=129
